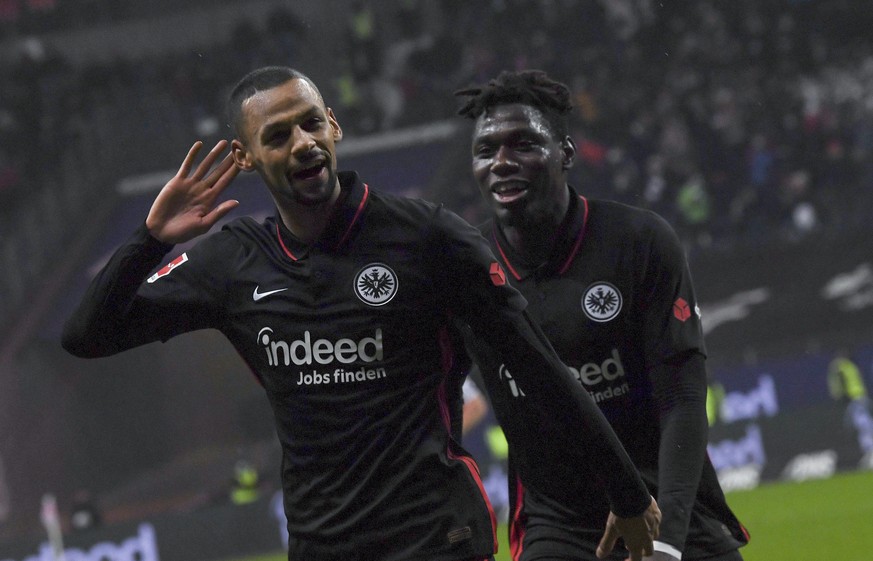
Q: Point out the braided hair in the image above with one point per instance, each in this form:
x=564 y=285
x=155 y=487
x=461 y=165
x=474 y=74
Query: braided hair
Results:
x=528 y=87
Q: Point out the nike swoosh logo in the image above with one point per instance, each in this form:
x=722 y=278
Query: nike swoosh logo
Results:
x=258 y=295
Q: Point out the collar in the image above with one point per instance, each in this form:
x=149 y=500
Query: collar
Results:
x=567 y=244
x=344 y=218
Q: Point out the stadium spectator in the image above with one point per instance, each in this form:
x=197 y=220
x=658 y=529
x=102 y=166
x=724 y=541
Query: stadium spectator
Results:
x=846 y=385
x=610 y=285
x=84 y=514
x=714 y=398
x=803 y=89
x=245 y=485
x=366 y=284
x=845 y=382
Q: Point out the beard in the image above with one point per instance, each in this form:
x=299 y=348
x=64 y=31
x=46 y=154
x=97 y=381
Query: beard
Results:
x=318 y=194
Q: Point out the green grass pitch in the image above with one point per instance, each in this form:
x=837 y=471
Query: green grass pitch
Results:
x=809 y=521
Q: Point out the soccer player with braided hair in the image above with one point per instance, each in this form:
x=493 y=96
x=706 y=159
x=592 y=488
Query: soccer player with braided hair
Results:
x=611 y=288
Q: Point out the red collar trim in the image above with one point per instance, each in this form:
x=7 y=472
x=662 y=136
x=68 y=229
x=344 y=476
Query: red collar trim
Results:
x=567 y=262
x=282 y=243
x=358 y=212
x=346 y=234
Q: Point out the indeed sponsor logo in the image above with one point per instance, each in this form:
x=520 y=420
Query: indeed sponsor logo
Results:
x=340 y=376
x=758 y=402
x=142 y=547
x=748 y=450
x=593 y=374
x=305 y=351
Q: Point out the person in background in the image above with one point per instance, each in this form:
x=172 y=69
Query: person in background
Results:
x=84 y=514
x=245 y=485
x=846 y=385
x=845 y=381
x=714 y=398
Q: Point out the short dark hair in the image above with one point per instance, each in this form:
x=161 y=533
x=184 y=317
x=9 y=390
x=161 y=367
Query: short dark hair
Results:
x=528 y=87
x=255 y=81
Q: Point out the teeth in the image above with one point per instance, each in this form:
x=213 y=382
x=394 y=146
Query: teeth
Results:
x=508 y=188
x=310 y=170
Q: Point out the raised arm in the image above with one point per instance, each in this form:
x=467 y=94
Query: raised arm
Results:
x=111 y=317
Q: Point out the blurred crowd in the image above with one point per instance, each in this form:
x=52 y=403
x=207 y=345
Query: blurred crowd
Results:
x=740 y=122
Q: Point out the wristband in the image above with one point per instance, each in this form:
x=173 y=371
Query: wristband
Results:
x=668 y=549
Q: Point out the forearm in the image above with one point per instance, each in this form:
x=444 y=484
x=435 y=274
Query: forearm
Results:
x=565 y=416
x=96 y=327
x=683 y=445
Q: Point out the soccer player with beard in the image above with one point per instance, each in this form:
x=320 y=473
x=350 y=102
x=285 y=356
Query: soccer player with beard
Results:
x=610 y=287
x=342 y=305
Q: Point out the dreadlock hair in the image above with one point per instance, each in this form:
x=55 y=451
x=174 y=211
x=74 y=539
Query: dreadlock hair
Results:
x=528 y=87
x=255 y=81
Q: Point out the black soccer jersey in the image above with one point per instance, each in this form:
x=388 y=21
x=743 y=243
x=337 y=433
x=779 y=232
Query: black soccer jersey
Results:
x=617 y=303
x=350 y=338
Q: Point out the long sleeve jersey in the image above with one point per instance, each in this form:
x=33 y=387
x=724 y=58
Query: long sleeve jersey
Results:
x=350 y=337
x=616 y=300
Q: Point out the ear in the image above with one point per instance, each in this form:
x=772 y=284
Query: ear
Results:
x=241 y=156
x=334 y=125
x=568 y=147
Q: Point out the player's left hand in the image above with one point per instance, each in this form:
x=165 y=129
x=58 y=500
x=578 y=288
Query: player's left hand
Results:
x=186 y=206
x=638 y=533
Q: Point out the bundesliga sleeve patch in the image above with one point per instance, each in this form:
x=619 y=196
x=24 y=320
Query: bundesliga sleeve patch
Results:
x=498 y=277
x=681 y=310
x=168 y=268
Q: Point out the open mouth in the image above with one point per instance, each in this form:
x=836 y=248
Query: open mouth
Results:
x=509 y=191
x=309 y=172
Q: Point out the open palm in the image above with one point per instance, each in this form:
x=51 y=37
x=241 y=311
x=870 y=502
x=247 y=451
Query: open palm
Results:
x=185 y=208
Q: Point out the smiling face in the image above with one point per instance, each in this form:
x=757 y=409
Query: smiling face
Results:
x=288 y=136
x=520 y=165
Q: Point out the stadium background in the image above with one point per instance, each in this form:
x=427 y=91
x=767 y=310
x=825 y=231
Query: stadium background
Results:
x=747 y=124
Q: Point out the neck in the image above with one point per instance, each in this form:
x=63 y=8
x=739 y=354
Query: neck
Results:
x=307 y=222
x=534 y=235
